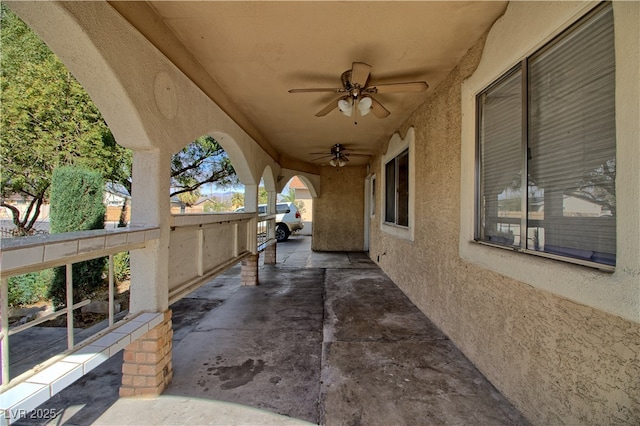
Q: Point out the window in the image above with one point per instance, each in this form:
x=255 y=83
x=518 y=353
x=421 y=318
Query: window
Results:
x=546 y=149
x=372 y=211
x=397 y=186
x=397 y=190
x=282 y=208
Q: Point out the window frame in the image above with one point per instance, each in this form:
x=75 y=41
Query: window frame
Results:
x=398 y=219
x=397 y=147
x=522 y=67
x=372 y=197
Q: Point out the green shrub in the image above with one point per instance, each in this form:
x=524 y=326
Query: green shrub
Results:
x=77 y=201
x=29 y=288
x=121 y=266
x=77 y=205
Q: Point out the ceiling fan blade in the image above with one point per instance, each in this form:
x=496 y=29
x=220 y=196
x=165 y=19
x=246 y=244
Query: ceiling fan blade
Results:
x=413 y=86
x=358 y=155
x=360 y=73
x=324 y=156
x=378 y=110
x=313 y=90
x=326 y=110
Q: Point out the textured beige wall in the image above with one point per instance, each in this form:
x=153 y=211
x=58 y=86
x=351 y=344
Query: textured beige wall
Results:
x=338 y=213
x=560 y=362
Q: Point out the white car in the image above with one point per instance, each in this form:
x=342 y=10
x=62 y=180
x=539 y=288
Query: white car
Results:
x=288 y=219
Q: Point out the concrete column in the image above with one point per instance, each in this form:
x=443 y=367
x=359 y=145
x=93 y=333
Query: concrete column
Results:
x=150 y=206
x=249 y=270
x=271 y=231
x=147 y=367
x=251 y=198
x=251 y=206
x=271 y=202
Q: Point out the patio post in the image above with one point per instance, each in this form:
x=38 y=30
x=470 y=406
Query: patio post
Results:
x=270 y=251
x=249 y=271
x=147 y=367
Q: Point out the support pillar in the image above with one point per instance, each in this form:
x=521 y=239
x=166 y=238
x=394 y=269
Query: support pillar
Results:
x=147 y=369
x=270 y=254
x=249 y=271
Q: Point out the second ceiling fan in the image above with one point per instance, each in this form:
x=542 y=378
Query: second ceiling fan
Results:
x=357 y=92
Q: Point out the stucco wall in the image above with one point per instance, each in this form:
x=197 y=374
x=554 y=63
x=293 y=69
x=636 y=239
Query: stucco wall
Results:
x=559 y=361
x=338 y=213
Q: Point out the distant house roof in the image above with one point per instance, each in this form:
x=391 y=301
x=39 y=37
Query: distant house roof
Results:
x=296 y=183
x=117 y=189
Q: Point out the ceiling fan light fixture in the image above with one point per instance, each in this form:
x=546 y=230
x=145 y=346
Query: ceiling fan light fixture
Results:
x=365 y=106
x=346 y=106
x=337 y=162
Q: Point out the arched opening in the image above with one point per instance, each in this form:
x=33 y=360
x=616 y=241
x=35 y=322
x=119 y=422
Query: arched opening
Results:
x=202 y=178
x=296 y=192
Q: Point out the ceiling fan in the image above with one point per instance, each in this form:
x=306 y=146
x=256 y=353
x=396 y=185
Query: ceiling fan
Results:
x=339 y=155
x=357 y=92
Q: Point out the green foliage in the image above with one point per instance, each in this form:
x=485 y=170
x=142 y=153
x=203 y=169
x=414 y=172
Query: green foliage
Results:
x=290 y=197
x=237 y=200
x=121 y=266
x=263 y=195
x=77 y=205
x=76 y=200
x=29 y=288
x=300 y=206
x=47 y=120
x=189 y=198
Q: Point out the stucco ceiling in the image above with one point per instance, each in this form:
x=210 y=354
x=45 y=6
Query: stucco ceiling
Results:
x=247 y=55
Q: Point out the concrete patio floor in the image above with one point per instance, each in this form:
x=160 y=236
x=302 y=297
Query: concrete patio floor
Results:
x=326 y=338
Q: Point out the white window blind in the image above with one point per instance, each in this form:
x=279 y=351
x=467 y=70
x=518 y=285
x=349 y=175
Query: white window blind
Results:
x=500 y=143
x=567 y=146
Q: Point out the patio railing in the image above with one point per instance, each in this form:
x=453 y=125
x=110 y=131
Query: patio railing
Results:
x=32 y=254
x=266 y=231
x=200 y=247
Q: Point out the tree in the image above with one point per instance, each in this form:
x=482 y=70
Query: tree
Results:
x=188 y=199
x=237 y=200
x=263 y=195
x=48 y=120
x=201 y=162
x=290 y=197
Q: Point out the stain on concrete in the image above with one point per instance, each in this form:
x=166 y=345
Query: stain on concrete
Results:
x=275 y=380
x=187 y=311
x=238 y=375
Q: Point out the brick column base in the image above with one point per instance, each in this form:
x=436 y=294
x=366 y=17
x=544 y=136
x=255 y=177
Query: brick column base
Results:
x=147 y=368
x=249 y=271
x=270 y=254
